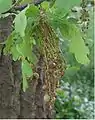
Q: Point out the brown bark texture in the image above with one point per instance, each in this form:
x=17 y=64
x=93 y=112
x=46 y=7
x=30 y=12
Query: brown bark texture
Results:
x=14 y=103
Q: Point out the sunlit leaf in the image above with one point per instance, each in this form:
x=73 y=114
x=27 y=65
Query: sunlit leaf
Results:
x=26 y=69
x=26 y=73
x=25 y=83
x=15 y=53
x=45 y=5
x=21 y=22
x=32 y=12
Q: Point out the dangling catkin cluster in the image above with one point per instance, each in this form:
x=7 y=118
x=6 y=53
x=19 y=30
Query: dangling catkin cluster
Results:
x=54 y=64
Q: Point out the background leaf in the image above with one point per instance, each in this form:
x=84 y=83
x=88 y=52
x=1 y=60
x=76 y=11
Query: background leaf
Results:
x=5 y=5
x=66 y=4
x=77 y=45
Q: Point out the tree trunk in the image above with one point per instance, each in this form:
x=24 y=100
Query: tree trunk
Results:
x=14 y=103
x=9 y=80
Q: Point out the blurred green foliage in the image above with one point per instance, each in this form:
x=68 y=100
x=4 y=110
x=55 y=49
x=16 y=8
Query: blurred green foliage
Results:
x=75 y=97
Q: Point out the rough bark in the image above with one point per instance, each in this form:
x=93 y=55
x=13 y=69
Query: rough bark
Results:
x=9 y=84
x=32 y=100
x=14 y=103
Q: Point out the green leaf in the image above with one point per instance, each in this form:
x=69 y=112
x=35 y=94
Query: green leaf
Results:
x=24 y=2
x=15 y=53
x=21 y=22
x=9 y=43
x=5 y=5
x=25 y=48
x=25 y=83
x=26 y=68
x=45 y=5
x=77 y=45
x=71 y=71
x=32 y=12
x=60 y=92
x=66 y=4
x=26 y=73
